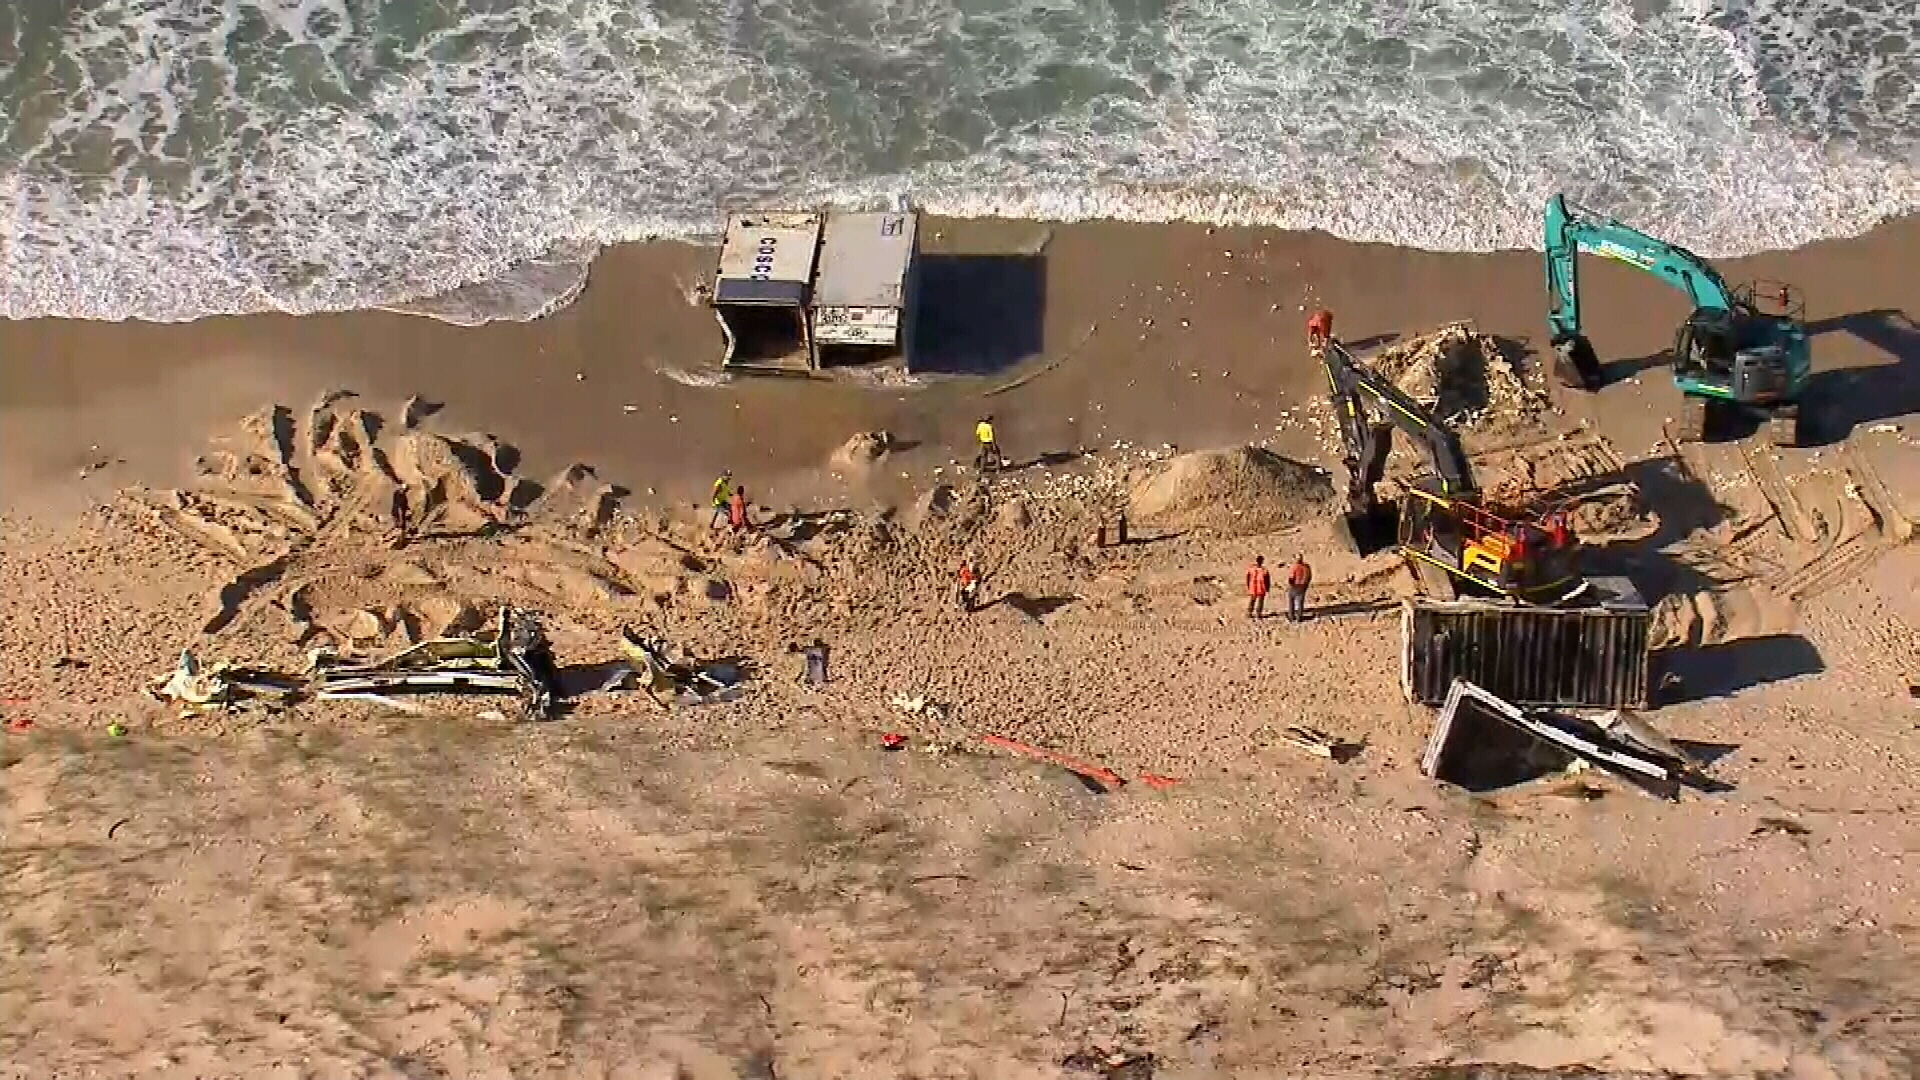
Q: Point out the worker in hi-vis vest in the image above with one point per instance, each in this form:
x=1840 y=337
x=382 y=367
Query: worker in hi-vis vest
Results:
x=989 y=446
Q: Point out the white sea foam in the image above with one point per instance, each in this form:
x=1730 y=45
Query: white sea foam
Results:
x=464 y=160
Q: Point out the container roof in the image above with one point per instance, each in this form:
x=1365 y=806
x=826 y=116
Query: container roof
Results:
x=770 y=246
x=864 y=260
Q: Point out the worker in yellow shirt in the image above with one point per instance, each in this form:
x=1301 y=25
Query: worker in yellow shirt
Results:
x=989 y=447
x=722 y=495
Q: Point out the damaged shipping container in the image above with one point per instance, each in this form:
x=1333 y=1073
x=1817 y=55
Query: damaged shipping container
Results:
x=1591 y=656
x=762 y=288
x=800 y=292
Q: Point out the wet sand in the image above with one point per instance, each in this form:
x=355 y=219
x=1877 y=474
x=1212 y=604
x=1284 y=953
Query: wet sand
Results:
x=1147 y=334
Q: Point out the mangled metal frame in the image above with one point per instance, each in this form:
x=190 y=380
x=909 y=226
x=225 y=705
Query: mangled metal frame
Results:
x=1617 y=743
x=222 y=687
x=518 y=660
x=667 y=683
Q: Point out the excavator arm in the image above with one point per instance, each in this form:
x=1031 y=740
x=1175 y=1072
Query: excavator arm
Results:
x=1445 y=526
x=1571 y=230
x=1369 y=408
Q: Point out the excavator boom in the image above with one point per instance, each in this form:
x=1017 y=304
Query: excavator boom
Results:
x=1572 y=230
x=1367 y=442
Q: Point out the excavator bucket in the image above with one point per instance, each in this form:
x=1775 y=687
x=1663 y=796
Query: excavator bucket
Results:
x=1372 y=531
x=1576 y=364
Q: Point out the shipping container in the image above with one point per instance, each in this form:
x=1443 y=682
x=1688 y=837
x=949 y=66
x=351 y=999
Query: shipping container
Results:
x=799 y=292
x=863 y=295
x=762 y=288
x=1591 y=656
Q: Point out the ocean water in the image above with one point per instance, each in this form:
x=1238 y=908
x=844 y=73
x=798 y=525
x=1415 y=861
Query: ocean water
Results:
x=168 y=159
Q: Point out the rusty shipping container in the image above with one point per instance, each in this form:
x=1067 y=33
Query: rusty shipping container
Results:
x=1592 y=656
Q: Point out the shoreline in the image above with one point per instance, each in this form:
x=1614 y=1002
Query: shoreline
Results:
x=1185 y=334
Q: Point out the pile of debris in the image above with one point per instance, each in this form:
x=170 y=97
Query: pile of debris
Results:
x=687 y=682
x=1463 y=376
x=515 y=659
x=864 y=450
x=1482 y=742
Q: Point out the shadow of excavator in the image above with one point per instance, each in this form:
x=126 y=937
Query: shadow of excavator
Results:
x=1844 y=399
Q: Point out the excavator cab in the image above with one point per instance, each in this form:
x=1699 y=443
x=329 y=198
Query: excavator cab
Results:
x=1706 y=343
x=1748 y=357
x=1457 y=546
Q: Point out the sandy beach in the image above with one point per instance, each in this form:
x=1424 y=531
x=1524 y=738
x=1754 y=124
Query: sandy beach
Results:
x=756 y=888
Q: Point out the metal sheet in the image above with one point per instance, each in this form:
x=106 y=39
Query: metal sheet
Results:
x=769 y=246
x=1540 y=729
x=1590 y=657
x=424 y=681
x=865 y=260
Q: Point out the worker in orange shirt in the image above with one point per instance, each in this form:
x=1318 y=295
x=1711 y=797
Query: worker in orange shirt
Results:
x=969 y=586
x=1559 y=535
x=1319 y=329
x=1258 y=583
x=737 y=510
x=1299 y=576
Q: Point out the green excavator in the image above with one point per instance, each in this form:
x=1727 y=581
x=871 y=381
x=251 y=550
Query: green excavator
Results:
x=1743 y=349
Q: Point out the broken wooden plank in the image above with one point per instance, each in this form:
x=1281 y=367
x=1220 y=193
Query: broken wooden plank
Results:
x=1311 y=740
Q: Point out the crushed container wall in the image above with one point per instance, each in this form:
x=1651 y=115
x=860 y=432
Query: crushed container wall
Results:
x=1590 y=657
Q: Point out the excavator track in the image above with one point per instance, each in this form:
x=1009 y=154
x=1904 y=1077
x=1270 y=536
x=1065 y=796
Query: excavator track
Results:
x=1855 y=543
x=1773 y=485
x=1894 y=525
x=1871 y=523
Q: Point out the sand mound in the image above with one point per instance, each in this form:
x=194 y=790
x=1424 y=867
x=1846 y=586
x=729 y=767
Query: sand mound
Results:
x=1463 y=376
x=340 y=525
x=864 y=450
x=1238 y=492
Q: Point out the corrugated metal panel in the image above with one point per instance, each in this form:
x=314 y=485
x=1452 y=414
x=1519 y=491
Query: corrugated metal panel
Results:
x=1591 y=657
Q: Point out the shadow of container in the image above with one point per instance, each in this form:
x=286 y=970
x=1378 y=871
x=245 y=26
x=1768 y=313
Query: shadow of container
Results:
x=979 y=314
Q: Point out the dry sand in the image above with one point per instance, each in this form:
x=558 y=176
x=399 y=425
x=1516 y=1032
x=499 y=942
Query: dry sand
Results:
x=756 y=889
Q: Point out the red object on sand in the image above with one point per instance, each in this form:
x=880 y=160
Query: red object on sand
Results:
x=1105 y=779
x=1157 y=782
x=19 y=725
x=1320 y=326
x=891 y=741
